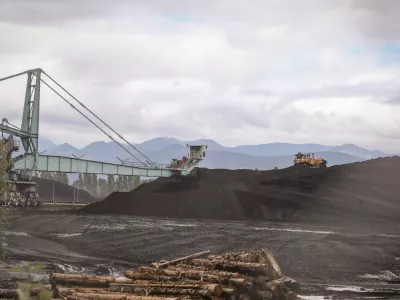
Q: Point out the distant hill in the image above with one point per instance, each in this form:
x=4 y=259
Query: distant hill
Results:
x=262 y=156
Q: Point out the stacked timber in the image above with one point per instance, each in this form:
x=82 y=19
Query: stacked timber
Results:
x=239 y=275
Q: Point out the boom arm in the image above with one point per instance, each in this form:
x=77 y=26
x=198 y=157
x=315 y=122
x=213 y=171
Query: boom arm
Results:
x=15 y=132
x=29 y=134
x=48 y=163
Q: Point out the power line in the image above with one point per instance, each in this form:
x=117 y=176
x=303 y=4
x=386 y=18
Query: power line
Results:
x=87 y=118
x=148 y=160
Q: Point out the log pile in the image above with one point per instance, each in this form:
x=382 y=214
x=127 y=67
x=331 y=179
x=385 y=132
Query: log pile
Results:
x=240 y=275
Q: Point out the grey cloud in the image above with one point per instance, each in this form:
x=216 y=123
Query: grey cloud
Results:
x=41 y=12
x=256 y=91
x=378 y=19
x=240 y=67
x=395 y=100
x=345 y=91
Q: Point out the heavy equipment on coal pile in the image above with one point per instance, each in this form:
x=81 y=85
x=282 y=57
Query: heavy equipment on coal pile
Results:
x=308 y=160
x=22 y=191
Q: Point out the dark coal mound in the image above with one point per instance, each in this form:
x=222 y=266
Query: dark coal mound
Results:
x=62 y=192
x=365 y=190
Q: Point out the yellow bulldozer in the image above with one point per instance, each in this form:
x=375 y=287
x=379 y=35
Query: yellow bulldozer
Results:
x=308 y=160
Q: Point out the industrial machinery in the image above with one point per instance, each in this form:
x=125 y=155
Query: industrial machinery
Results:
x=23 y=191
x=20 y=189
x=308 y=160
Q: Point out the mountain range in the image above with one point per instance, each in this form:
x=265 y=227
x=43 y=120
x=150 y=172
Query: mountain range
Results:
x=262 y=156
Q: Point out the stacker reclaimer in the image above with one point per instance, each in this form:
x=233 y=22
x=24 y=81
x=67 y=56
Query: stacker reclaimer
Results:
x=23 y=191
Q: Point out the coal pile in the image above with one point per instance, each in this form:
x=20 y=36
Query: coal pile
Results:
x=364 y=190
x=62 y=192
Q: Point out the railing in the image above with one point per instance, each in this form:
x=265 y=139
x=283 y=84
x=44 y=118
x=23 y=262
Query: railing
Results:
x=154 y=165
x=181 y=165
x=64 y=203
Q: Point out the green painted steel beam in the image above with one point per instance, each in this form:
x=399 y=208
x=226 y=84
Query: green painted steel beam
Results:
x=47 y=163
x=15 y=132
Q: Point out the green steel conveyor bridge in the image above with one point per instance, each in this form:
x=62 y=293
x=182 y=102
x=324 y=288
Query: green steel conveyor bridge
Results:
x=32 y=160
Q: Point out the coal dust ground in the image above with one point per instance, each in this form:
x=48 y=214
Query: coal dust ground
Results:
x=333 y=226
x=106 y=244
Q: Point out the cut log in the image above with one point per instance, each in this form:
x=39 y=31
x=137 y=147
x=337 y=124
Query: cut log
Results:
x=215 y=289
x=115 y=297
x=177 y=272
x=228 y=291
x=209 y=276
x=177 y=291
x=148 y=276
x=291 y=295
x=266 y=257
x=291 y=284
x=8 y=293
x=247 y=296
x=281 y=287
x=273 y=286
x=262 y=294
x=236 y=266
x=13 y=293
x=123 y=280
x=187 y=267
x=65 y=291
x=85 y=280
x=238 y=282
x=260 y=280
x=261 y=256
x=175 y=261
x=238 y=256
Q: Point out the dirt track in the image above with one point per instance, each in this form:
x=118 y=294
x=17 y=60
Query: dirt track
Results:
x=103 y=244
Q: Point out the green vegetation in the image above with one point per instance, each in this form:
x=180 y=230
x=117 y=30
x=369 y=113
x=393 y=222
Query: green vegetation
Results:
x=26 y=288
x=100 y=187
x=97 y=187
x=56 y=176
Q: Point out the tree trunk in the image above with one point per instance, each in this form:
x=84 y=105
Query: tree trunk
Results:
x=228 y=291
x=148 y=276
x=291 y=295
x=13 y=293
x=238 y=256
x=291 y=284
x=175 y=261
x=209 y=276
x=263 y=294
x=86 y=280
x=273 y=286
x=65 y=291
x=93 y=296
x=8 y=293
x=235 y=266
x=214 y=289
x=187 y=267
x=238 y=282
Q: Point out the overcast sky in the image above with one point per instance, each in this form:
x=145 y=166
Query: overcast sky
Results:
x=238 y=72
